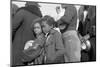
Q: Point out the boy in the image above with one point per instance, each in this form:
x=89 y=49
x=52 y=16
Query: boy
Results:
x=54 y=49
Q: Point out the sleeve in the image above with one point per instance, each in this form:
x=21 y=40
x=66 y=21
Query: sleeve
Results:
x=31 y=54
x=59 y=44
x=16 y=21
x=40 y=41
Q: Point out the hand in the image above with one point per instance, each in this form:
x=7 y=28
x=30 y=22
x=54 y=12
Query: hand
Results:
x=28 y=44
x=61 y=13
x=83 y=46
x=86 y=37
x=36 y=46
x=58 y=9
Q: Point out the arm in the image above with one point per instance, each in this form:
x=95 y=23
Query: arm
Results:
x=59 y=45
x=16 y=21
x=86 y=37
x=34 y=51
x=31 y=54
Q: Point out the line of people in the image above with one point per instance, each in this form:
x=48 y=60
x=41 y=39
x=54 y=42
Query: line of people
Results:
x=35 y=41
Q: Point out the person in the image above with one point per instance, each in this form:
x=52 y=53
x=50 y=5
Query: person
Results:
x=21 y=30
x=67 y=24
x=82 y=17
x=14 y=9
x=54 y=48
x=37 y=44
x=90 y=31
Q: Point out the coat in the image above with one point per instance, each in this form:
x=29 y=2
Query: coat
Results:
x=72 y=46
x=90 y=28
x=36 y=51
x=21 y=31
x=54 y=48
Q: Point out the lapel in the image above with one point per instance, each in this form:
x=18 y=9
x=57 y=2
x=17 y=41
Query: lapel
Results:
x=49 y=36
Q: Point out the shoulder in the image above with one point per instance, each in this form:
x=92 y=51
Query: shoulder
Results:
x=56 y=33
x=23 y=12
x=20 y=12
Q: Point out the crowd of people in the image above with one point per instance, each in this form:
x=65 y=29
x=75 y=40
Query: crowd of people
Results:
x=36 y=41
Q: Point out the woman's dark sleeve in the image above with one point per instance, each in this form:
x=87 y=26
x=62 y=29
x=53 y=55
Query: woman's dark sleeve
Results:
x=16 y=21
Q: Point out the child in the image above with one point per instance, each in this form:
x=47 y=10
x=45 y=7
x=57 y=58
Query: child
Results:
x=54 y=49
x=35 y=47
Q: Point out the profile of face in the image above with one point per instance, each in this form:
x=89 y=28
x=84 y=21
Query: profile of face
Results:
x=46 y=28
x=37 y=28
x=62 y=28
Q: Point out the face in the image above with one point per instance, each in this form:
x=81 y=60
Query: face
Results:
x=46 y=28
x=62 y=27
x=37 y=28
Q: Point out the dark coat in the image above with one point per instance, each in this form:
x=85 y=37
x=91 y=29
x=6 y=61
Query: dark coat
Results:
x=90 y=28
x=90 y=22
x=21 y=31
x=36 y=55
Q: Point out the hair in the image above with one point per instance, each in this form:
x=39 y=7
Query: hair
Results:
x=86 y=7
x=49 y=20
x=33 y=23
x=32 y=3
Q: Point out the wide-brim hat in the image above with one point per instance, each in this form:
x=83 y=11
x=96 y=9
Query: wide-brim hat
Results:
x=66 y=5
x=33 y=3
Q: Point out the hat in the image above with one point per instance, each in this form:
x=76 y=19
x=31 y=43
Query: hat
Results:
x=33 y=3
x=66 y=5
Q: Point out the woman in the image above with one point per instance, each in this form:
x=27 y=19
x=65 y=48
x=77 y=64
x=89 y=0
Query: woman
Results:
x=71 y=41
x=35 y=50
x=21 y=31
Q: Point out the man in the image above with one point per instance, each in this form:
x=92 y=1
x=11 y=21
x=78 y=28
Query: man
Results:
x=14 y=9
x=21 y=30
x=90 y=31
x=82 y=17
x=67 y=25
